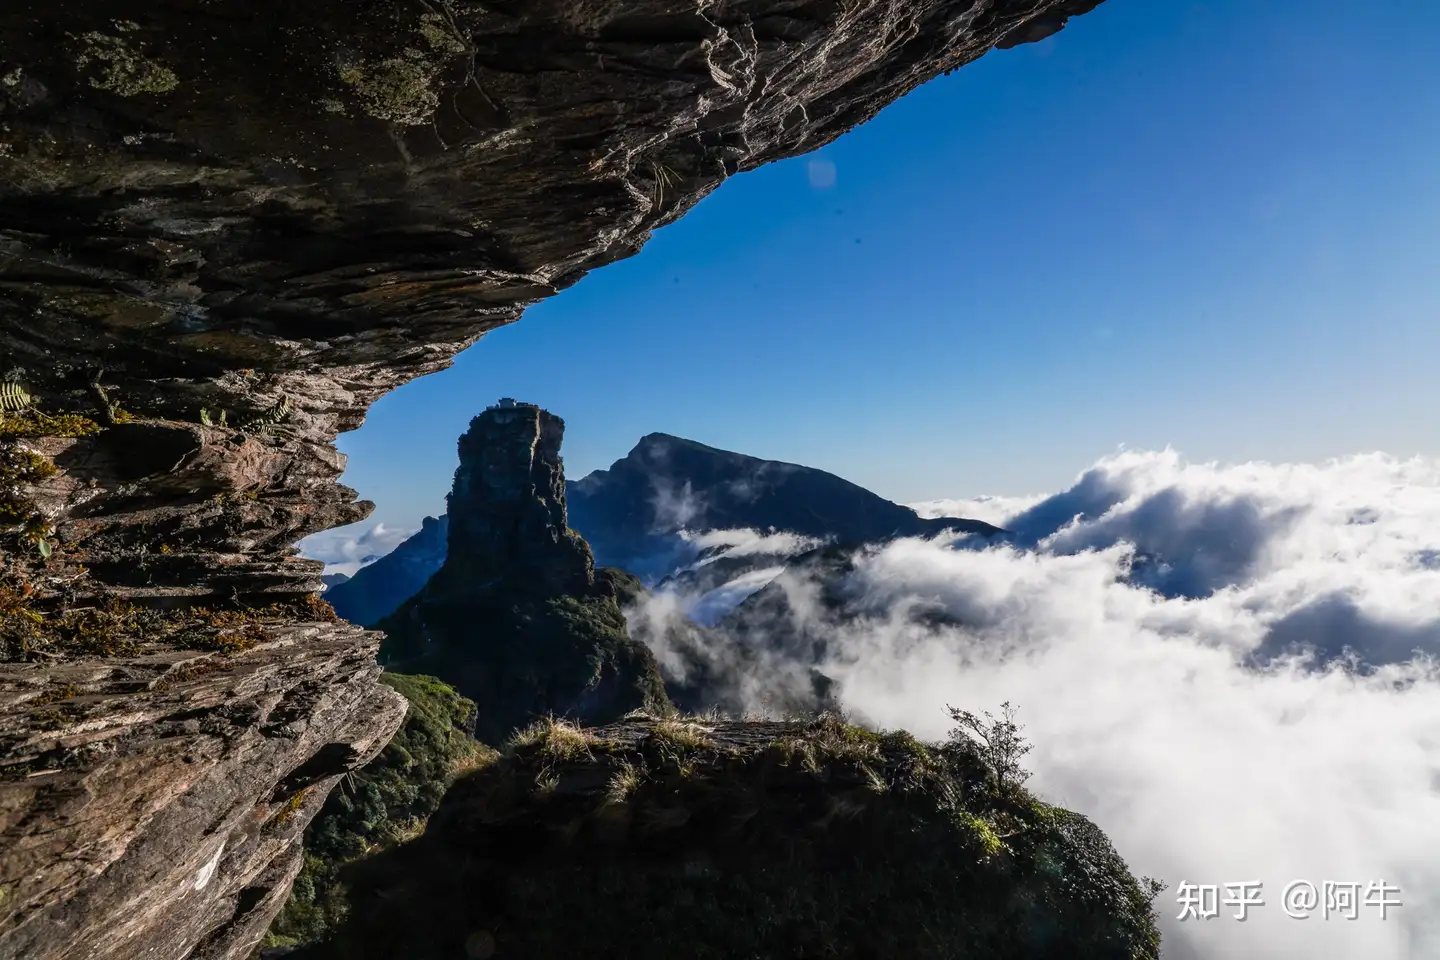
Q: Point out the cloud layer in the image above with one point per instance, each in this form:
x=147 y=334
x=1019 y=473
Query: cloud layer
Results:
x=347 y=549
x=996 y=510
x=1228 y=668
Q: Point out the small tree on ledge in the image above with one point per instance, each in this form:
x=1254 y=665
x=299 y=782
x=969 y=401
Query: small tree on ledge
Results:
x=999 y=741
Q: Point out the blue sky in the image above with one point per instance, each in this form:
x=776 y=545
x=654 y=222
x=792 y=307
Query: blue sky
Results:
x=1211 y=225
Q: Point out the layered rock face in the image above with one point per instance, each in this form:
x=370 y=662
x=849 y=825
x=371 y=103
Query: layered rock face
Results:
x=281 y=212
x=518 y=619
x=380 y=805
x=228 y=227
x=507 y=506
x=152 y=806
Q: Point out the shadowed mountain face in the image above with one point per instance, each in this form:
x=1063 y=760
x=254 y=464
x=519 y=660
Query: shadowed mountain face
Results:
x=631 y=512
x=377 y=590
x=656 y=839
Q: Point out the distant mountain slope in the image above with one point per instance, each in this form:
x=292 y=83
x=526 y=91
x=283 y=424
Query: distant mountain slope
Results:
x=376 y=591
x=630 y=513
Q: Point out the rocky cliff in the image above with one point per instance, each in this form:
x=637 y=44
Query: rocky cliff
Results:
x=151 y=805
x=226 y=228
x=631 y=516
x=380 y=805
x=517 y=619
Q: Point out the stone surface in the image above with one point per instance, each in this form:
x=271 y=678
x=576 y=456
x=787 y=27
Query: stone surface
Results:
x=153 y=806
x=507 y=508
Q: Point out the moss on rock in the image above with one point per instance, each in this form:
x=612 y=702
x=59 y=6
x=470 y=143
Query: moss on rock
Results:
x=120 y=67
x=36 y=627
x=744 y=839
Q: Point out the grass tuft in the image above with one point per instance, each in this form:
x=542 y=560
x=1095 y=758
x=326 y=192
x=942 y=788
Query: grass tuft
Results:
x=552 y=739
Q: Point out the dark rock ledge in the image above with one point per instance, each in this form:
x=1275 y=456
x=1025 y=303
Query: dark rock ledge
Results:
x=226 y=228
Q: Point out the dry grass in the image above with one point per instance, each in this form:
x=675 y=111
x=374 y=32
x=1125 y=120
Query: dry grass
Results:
x=623 y=783
x=684 y=734
x=553 y=739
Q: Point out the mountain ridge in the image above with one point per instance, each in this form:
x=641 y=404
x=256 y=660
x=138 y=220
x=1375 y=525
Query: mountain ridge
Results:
x=634 y=512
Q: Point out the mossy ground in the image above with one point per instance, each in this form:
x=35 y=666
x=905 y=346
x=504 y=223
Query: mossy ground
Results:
x=23 y=527
x=19 y=468
x=382 y=804
x=680 y=838
x=32 y=424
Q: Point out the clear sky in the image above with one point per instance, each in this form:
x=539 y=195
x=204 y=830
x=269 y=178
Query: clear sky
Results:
x=1213 y=225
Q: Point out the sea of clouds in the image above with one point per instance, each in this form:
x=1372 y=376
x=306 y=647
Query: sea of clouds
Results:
x=1229 y=668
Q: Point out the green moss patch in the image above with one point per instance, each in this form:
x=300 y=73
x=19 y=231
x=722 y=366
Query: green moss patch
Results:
x=32 y=424
x=382 y=804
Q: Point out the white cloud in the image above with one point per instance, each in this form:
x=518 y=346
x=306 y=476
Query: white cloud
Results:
x=346 y=549
x=994 y=510
x=675 y=509
x=705 y=599
x=745 y=542
x=1141 y=623
x=709 y=607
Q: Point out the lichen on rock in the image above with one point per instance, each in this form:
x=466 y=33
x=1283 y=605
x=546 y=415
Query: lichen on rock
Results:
x=401 y=89
x=123 y=69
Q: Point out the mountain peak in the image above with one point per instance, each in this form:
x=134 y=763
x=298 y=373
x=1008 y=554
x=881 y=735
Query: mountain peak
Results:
x=507 y=505
x=667 y=484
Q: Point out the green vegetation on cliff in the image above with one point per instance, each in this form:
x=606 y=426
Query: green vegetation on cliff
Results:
x=662 y=838
x=525 y=656
x=384 y=803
